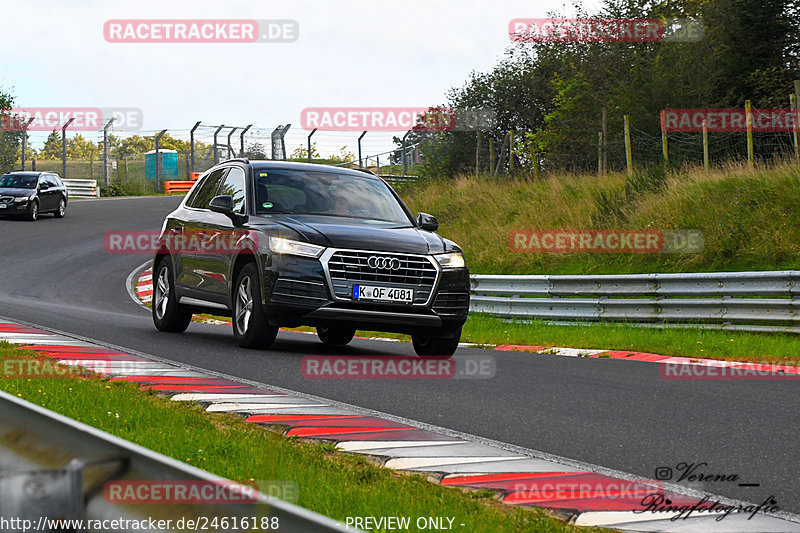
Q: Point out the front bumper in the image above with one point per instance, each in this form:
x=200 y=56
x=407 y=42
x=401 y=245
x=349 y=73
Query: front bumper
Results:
x=299 y=291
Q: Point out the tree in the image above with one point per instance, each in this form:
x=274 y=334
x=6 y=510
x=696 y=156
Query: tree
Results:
x=78 y=147
x=10 y=140
x=52 y=146
x=301 y=152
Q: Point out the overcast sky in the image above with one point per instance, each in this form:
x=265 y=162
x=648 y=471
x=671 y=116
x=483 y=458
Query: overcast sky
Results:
x=349 y=53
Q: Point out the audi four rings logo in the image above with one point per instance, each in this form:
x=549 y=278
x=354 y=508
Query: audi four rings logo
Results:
x=383 y=263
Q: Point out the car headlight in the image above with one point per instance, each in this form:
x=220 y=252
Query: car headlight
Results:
x=279 y=245
x=21 y=199
x=455 y=260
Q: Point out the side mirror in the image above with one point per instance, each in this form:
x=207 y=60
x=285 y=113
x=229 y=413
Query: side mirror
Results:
x=427 y=222
x=43 y=186
x=222 y=204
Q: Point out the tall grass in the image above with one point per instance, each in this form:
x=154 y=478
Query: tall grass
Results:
x=750 y=219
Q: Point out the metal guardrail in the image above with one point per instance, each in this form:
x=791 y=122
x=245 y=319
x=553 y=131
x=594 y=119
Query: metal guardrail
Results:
x=751 y=301
x=54 y=467
x=82 y=188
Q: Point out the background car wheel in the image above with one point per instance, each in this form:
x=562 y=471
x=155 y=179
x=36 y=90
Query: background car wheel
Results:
x=33 y=216
x=250 y=326
x=62 y=209
x=168 y=314
x=436 y=347
x=334 y=335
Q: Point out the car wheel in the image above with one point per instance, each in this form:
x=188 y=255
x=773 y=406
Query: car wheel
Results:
x=168 y=314
x=250 y=325
x=33 y=216
x=436 y=347
x=62 y=209
x=336 y=336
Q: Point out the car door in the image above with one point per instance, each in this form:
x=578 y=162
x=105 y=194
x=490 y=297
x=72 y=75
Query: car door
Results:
x=193 y=277
x=220 y=238
x=48 y=193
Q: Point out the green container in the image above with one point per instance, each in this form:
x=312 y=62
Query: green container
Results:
x=169 y=165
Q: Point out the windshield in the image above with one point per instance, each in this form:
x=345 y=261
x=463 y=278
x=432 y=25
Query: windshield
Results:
x=11 y=181
x=322 y=193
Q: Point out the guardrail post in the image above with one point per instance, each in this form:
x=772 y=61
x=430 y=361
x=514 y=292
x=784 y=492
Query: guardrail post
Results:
x=64 y=147
x=241 y=140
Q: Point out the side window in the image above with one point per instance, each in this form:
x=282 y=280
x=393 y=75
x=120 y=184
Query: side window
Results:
x=206 y=190
x=50 y=180
x=234 y=185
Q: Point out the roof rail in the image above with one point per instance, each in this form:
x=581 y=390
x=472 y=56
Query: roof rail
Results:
x=240 y=159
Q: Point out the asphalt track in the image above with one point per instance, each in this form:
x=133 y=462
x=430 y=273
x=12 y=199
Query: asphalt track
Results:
x=618 y=414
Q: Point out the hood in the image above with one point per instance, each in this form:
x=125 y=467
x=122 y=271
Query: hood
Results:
x=17 y=192
x=338 y=232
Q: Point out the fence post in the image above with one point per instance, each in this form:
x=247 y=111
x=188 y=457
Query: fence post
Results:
x=64 y=148
x=491 y=153
x=795 y=134
x=105 y=149
x=241 y=140
x=510 y=151
x=404 y=154
x=158 y=160
x=25 y=141
x=477 y=157
x=628 y=150
x=360 y=162
x=706 y=162
x=216 y=152
x=599 y=153
x=605 y=142
x=535 y=158
x=749 y=113
x=664 y=146
x=309 y=143
x=191 y=146
x=230 y=148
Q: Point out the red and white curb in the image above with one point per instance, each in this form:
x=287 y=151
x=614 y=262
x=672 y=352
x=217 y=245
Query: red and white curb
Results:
x=588 y=497
x=144 y=292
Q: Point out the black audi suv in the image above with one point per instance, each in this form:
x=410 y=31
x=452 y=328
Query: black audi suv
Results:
x=274 y=244
x=29 y=194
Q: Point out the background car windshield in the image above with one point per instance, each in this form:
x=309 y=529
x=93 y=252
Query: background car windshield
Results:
x=9 y=181
x=322 y=193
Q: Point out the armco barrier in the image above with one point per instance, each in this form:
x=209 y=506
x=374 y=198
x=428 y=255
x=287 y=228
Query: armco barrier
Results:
x=177 y=186
x=749 y=301
x=55 y=467
x=82 y=188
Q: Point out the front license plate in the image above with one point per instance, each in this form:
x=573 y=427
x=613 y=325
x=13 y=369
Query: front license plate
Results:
x=382 y=294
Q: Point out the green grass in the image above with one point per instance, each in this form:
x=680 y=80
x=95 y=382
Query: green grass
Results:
x=749 y=218
x=331 y=483
x=701 y=343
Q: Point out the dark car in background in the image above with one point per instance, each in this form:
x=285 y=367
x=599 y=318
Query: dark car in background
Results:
x=29 y=194
x=332 y=248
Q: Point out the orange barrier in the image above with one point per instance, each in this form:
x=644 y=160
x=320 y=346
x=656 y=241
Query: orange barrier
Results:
x=194 y=175
x=177 y=186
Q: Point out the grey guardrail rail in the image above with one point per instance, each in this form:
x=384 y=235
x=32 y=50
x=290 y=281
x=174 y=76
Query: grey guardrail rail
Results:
x=54 y=467
x=749 y=301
